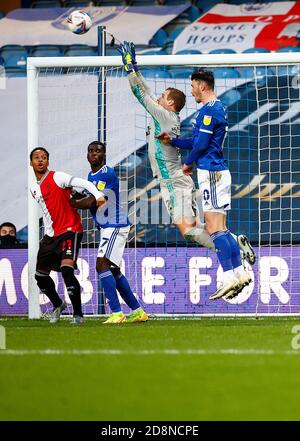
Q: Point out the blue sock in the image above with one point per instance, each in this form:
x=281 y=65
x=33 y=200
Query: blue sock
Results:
x=235 y=251
x=223 y=249
x=109 y=285
x=125 y=291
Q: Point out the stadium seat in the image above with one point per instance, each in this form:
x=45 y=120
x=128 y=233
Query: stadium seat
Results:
x=45 y=4
x=174 y=34
x=110 y=51
x=180 y=73
x=14 y=55
x=188 y=52
x=152 y=52
x=255 y=50
x=193 y=13
x=230 y=97
x=1 y=14
x=155 y=73
x=159 y=38
x=205 y=5
x=262 y=72
x=80 y=50
x=15 y=72
x=226 y=72
x=46 y=50
x=222 y=51
x=289 y=49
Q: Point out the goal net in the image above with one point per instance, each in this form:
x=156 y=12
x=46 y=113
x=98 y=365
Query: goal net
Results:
x=74 y=101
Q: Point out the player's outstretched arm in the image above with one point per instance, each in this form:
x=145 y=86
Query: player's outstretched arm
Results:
x=64 y=180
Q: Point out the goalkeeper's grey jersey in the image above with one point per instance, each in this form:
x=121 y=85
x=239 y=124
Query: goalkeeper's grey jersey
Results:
x=165 y=160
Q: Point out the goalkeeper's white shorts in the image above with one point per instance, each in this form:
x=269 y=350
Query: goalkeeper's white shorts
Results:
x=179 y=196
x=112 y=243
x=215 y=189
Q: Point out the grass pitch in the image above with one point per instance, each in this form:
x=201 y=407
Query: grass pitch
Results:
x=208 y=369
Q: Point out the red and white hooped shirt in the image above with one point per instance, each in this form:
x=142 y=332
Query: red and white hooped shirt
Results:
x=53 y=193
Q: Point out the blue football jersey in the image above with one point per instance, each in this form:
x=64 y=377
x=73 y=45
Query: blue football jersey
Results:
x=209 y=133
x=112 y=215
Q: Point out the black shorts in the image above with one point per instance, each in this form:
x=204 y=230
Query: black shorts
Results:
x=53 y=250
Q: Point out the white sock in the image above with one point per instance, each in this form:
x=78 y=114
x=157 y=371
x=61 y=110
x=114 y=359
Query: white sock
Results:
x=200 y=236
x=228 y=276
x=239 y=271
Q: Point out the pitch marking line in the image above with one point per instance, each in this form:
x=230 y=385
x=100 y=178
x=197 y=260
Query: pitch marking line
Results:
x=231 y=351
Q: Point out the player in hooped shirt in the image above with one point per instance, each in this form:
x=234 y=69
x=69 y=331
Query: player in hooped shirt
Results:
x=214 y=178
x=114 y=229
x=59 y=247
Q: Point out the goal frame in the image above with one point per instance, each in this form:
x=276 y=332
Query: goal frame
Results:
x=36 y=63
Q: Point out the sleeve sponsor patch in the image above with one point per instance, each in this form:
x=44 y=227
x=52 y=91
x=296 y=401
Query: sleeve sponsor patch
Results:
x=207 y=120
x=101 y=185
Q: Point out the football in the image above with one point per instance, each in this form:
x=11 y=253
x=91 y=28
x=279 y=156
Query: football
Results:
x=79 y=22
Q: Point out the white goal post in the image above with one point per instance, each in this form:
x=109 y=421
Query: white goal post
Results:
x=277 y=60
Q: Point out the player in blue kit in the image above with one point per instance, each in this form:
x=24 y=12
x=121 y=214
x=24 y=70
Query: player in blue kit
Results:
x=114 y=227
x=214 y=178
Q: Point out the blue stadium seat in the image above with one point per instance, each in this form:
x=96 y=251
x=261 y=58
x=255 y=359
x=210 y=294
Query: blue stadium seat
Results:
x=155 y=73
x=230 y=97
x=222 y=51
x=226 y=72
x=188 y=52
x=1 y=14
x=46 y=50
x=180 y=73
x=45 y=4
x=79 y=50
x=288 y=70
x=174 y=34
x=255 y=50
x=289 y=49
x=110 y=51
x=15 y=72
x=169 y=48
x=2 y=62
x=193 y=13
x=205 y=5
x=14 y=55
x=159 y=38
x=262 y=72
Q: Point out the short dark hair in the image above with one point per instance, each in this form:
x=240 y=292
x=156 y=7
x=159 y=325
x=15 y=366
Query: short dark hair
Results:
x=204 y=75
x=8 y=224
x=99 y=143
x=178 y=97
x=39 y=148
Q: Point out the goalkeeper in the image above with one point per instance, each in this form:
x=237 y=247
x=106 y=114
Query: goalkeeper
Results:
x=177 y=189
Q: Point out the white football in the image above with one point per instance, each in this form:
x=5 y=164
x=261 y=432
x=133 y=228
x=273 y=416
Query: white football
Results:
x=79 y=22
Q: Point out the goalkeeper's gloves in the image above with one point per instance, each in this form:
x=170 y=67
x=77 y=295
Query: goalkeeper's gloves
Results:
x=126 y=58
x=131 y=49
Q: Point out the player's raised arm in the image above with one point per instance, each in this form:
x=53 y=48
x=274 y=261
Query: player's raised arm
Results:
x=138 y=85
